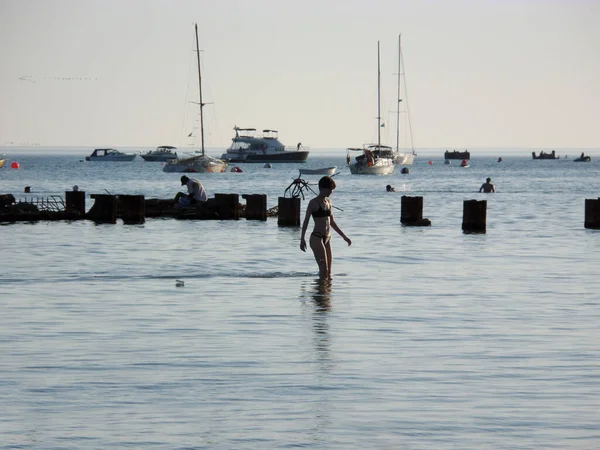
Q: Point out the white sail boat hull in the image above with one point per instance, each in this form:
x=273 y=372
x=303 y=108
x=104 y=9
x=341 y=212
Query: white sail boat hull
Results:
x=381 y=166
x=404 y=158
x=197 y=164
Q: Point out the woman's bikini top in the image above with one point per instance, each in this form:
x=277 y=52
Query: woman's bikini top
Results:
x=322 y=212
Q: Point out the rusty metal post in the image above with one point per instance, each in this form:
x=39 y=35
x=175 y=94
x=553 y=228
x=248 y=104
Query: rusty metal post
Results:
x=289 y=212
x=474 y=216
x=75 y=202
x=104 y=209
x=411 y=212
x=592 y=213
x=132 y=209
x=229 y=206
x=256 y=206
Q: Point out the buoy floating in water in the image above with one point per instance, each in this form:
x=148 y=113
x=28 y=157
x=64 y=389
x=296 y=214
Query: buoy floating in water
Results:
x=430 y=163
x=14 y=165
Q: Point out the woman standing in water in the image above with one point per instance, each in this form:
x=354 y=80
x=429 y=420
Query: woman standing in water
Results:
x=320 y=239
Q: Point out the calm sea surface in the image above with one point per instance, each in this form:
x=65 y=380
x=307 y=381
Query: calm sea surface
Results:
x=427 y=338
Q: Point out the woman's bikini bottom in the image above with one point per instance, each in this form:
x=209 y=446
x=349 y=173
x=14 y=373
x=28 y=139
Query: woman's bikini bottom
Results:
x=324 y=238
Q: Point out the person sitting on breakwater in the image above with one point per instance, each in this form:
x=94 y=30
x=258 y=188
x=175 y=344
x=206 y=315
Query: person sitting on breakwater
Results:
x=487 y=186
x=320 y=209
x=196 y=192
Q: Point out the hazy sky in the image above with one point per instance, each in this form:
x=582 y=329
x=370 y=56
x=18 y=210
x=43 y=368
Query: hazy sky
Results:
x=479 y=73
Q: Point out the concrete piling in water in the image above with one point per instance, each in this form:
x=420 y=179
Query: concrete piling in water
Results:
x=592 y=213
x=228 y=206
x=75 y=202
x=474 y=216
x=132 y=209
x=411 y=212
x=289 y=212
x=104 y=209
x=256 y=206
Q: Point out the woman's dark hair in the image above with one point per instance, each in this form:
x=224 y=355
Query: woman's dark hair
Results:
x=326 y=183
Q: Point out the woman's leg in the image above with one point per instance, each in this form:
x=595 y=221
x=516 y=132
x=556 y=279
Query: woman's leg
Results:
x=318 y=248
x=328 y=255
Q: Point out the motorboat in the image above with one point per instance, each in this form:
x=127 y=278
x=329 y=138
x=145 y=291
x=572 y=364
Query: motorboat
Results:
x=544 y=155
x=582 y=158
x=2 y=160
x=322 y=171
x=162 y=153
x=248 y=146
x=202 y=162
x=455 y=154
x=375 y=159
x=110 y=154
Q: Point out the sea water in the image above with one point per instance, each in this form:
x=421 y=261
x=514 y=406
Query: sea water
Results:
x=426 y=337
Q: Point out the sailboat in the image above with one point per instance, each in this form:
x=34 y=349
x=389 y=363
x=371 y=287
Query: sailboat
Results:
x=375 y=159
x=403 y=157
x=202 y=162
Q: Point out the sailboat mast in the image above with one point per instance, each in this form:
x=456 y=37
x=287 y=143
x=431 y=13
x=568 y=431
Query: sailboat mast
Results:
x=200 y=92
x=378 y=101
x=399 y=99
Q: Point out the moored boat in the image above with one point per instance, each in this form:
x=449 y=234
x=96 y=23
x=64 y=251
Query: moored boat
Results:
x=322 y=171
x=455 y=154
x=162 y=153
x=110 y=154
x=375 y=159
x=202 y=162
x=583 y=158
x=544 y=155
x=249 y=147
x=195 y=164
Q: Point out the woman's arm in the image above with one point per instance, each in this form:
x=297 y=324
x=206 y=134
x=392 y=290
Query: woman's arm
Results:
x=334 y=225
x=305 y=226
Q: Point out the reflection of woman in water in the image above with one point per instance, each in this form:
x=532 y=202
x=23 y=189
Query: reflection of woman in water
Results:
x=320 y=238
x=322 y=295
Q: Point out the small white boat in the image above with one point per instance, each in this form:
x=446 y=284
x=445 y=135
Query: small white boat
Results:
x=322 y=171
x=162 y=153
x=110 y=154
